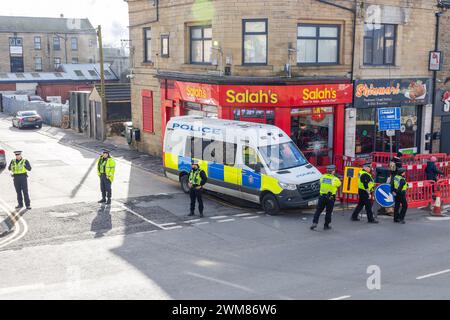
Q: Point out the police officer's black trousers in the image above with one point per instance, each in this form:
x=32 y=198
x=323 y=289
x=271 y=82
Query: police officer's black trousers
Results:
x=400 y=200
x=325 y=202
x=21 y=185
x=196 y=195
x=105 y=187
x=364 y=201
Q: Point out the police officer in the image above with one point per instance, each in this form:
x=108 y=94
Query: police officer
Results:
x=366 y=186
x=19 y=168
x=197 y=179
x=329 y=185
x=399 y=187
x=106 y=168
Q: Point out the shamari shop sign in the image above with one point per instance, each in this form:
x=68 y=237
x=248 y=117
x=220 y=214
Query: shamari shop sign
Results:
x=388 y=92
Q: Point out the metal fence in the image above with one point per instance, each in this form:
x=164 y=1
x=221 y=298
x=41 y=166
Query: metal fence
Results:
x=52 y=113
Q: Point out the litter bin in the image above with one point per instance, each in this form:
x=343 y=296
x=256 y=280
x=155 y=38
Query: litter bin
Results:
x=137 y=134
x=382 y=175
x=128 y=131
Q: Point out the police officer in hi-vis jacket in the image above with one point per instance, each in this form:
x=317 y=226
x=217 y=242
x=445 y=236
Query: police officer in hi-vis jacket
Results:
x=329 y=185
x=19 y=170
x=366 y=186
x=399 y=187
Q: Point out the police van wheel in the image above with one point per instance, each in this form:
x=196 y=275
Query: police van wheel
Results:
x=184 y=182
x=270 y=205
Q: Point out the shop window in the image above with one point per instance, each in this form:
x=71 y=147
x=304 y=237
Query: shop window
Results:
x=147 y=45
x=196 y=109
x=365 y=131
x=255 y=38
x=147 y=111
x=312 y=131
x=318 y=44
x=379 y=44
x=255 y=115
x=200 y=44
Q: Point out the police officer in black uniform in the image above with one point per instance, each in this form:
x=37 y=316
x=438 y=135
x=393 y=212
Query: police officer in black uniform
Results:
x=399 y=187
x=19 y=168
x=366 y=186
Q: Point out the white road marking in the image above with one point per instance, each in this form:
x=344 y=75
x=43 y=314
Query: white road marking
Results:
x=193 y=221
x=168 y=224
x=219 y=217
x=438 y=218
x=228 y=220
x=340 y=298
x=6 y=291
x=250 y=218
x=139 y=216
x=433 y=274
x=174 y=228
x=14 y=237
x=201 y=223
x=230 y=284
x=242 y=215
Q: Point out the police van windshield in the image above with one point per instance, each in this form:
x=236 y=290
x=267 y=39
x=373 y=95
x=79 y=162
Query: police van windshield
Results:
x=282 y=156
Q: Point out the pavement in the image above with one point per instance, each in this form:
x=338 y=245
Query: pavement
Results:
x=144 y=246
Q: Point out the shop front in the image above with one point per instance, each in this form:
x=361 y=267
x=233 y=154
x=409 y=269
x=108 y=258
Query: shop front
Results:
x=313 y=115
x=411 y=95
x=442 y=110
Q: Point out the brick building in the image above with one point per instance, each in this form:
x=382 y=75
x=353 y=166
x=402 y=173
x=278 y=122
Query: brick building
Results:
x=289 y=63
x=29 y=44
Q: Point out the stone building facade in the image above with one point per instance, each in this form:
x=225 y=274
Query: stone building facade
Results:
x=29 y=44
x=184 y=52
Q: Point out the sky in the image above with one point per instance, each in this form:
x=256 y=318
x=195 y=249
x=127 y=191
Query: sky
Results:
x=112 y=15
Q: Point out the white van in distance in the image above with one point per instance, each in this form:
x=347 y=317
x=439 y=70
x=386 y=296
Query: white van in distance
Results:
x=251 y=161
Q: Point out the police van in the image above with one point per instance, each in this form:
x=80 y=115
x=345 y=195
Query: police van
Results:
x=255 y=162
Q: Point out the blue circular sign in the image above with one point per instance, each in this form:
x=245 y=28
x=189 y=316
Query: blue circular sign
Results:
x=384 y=196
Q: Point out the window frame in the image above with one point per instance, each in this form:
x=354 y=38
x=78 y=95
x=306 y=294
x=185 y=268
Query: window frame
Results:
x=202 y=39
x=54 y=63
x=35 y=64
x=317 y=38
x=72 y=44
x=37 y=43
x=244 y=33
x=373 y=39
x=75 y=59
x=147 y=52
x=56 y=48
x=165 y=37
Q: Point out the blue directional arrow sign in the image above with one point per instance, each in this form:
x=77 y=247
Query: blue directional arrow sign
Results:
x=384 y=196
x=389 y=119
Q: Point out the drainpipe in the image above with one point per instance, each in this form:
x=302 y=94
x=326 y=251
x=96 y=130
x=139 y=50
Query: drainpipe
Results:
x=436 y=48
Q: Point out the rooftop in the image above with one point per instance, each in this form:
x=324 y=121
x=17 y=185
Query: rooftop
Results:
x=46 y=25
x=115 y=92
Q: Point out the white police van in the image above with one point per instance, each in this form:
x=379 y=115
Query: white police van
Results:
x=255 y=162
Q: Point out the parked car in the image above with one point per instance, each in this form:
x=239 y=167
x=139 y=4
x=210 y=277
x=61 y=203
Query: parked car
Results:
x=27 y=119
x=2 y=159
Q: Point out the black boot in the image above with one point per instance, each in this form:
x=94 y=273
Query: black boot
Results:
x=108 y=202
x=102 y=201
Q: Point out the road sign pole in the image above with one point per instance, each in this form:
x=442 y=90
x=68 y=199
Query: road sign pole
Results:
x=390 y=147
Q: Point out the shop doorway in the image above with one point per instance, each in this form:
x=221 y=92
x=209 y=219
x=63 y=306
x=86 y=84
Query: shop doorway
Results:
x=312 y=130
x=445 y=132
x=202 y=110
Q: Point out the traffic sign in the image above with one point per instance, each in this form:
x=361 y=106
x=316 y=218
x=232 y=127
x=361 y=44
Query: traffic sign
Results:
x=351 y=177
x=389 y=119
x=384 y=196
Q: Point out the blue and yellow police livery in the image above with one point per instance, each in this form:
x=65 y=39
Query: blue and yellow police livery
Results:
x=255 y=162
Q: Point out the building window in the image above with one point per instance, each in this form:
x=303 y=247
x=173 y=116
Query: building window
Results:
x=165 y=46
x=91 y=43
x=147 y=111
x=147 y=45
x=37 y=43
x=56 y=43
x=255 y=38
x=201 y=44
x=57 y=63
x=38 y=64
x=15 y=42
x=74 y=60
x=74 y=44
x=318 y=44
x=379 y=44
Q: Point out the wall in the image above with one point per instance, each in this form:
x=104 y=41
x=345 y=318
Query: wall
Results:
x=62 y=90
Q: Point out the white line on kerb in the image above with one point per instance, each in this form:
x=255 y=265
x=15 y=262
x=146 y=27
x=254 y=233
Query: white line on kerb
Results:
x=340 y=298
x=250 y=218
x=242 y=215
x=219 y=217
x=201 y=223
x=433 y=274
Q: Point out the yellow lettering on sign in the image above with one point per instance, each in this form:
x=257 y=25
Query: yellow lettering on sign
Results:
x=260 y=97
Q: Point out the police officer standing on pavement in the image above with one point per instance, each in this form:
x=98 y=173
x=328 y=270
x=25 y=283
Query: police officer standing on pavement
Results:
x=399 y=187
x=366 y=186
x=19 y=168
x=329 y=185
x=197 y=179
x=106 y=168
